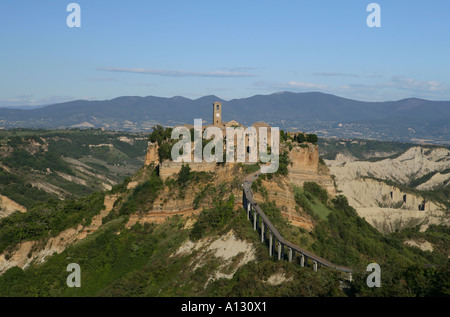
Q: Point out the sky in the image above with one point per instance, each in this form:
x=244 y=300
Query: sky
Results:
x=231 y=49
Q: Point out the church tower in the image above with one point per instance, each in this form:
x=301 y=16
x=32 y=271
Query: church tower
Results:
x=217 y=113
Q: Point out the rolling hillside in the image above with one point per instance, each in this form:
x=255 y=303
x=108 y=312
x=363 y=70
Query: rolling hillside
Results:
x=38 y=165
x=189 y=236
x=326 y=115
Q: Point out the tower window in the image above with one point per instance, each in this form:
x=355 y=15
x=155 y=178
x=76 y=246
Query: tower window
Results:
x=217 y=107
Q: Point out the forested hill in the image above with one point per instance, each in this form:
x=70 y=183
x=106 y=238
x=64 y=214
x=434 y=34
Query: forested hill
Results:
x=324 y=114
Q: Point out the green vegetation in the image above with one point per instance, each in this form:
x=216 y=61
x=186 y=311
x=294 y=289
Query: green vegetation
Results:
x=23 y=193
x=160 y=135
x=137 y=262
x=163 y=136
x=143 y=195
x=317 y=191
x=249 y=169
x=142 y=260
x=309 y=138
x=361 y=149
x=344 y=238
x=284 y=162
x=71 y=162
x=48 y=219
x=312 y=200
x=184 y=175
x=439 y=194
x=214 y=219
x=417 y=181
x=437 y=235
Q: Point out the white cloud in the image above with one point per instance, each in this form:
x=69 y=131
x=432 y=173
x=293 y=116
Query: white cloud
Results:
x=306 y=85
x=176 y=73
x=31 y=100
x=335 y=74
x=101 y=79
x=401 y=82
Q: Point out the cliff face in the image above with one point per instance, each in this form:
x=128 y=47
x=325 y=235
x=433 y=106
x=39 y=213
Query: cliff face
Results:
x=387 y=207
x=305 y=158
x=152 y=154
x=363 y=193
x=416 y=162
x=169 y=204
x=305 y=167
x=281 y=192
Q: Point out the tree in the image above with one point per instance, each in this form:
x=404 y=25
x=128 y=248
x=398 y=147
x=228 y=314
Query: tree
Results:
x=184 y=175
x=165 y=151
x=283 y=136
x=312 y=138
x=160 y=134
x=300 y=138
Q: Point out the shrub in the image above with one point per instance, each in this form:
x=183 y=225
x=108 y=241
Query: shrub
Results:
x=316 y=190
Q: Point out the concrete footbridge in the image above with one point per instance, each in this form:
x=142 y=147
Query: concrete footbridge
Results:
x=277 y=244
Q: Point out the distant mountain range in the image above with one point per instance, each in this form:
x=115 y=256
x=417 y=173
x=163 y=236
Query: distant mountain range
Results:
x=327 y=115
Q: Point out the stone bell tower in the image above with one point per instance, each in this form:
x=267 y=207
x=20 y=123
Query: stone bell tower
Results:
x=217 y=113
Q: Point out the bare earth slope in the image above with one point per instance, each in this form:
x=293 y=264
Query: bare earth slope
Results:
x=387 y=207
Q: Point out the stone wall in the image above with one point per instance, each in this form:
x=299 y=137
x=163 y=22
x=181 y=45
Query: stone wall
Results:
x=169 y=168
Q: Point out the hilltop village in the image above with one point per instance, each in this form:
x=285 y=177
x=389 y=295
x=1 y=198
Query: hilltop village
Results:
x=168 y=167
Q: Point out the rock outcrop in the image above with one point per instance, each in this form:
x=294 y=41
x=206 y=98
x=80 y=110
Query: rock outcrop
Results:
x=8 y=206
x=305 y=167
x=416 y=162
x=387 y=207
x=152 y=154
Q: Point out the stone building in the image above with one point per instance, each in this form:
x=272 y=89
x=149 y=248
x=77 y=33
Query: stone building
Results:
x=168 y=168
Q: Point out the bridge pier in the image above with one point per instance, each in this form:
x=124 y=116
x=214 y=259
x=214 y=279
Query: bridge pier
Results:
x=258 y=225
x=302 y=260
x=279 y=251
x=315 y=266
x=254 y=220
x=290 y=254
x=262 y=232
x=248 y=210
x=270 y=243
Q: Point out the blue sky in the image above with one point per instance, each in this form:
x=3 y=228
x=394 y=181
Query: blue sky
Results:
x=231 y=49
